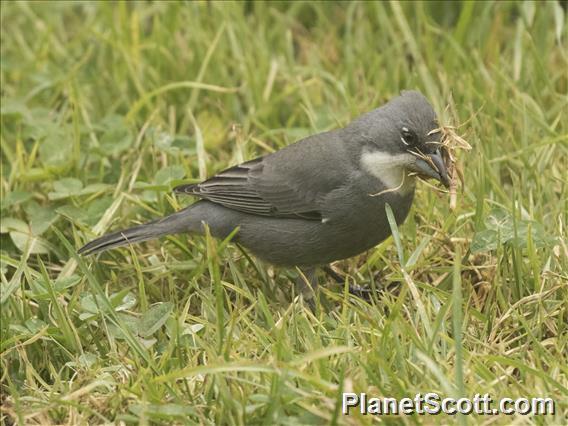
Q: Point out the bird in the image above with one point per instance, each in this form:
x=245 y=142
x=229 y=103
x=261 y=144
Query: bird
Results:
x=318 y=200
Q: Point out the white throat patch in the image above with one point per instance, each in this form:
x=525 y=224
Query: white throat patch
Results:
x=390 y=169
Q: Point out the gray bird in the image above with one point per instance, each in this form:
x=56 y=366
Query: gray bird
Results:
x=318 y=200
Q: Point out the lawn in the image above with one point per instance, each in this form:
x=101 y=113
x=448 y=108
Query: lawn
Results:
x=105 y=107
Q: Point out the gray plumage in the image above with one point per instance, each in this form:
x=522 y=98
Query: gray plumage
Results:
x=316 y=201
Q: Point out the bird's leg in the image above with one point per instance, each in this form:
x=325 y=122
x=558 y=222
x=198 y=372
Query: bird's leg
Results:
x=334 y=275
x=307 y=283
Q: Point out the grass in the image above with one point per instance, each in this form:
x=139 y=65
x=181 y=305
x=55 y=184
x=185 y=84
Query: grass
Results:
x=106 y=107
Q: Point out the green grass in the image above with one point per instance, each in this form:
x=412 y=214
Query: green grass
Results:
x=106 y=107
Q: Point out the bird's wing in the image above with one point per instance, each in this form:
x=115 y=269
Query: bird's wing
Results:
x=292 y=182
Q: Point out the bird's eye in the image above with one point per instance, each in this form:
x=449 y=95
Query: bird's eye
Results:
x=408 y=137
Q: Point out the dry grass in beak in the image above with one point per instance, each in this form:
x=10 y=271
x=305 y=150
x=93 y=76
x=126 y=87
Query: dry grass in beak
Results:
x=450 y=143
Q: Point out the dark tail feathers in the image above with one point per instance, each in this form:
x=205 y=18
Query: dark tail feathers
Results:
x=174 y=224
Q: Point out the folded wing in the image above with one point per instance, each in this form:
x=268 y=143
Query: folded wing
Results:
x=241 y=188
x=292 y=182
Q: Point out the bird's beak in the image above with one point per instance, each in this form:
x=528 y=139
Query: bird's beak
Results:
x=432 y=166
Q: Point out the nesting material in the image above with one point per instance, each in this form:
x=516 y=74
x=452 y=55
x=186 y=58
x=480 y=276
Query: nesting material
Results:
x=450 y=143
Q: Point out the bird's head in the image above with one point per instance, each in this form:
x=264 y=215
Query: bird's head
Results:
x=401 y=139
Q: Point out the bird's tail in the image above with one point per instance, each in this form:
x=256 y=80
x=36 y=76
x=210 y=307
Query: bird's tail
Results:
x=176 y=223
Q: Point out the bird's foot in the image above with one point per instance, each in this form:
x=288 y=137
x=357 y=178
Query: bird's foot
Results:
x=365 y=292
